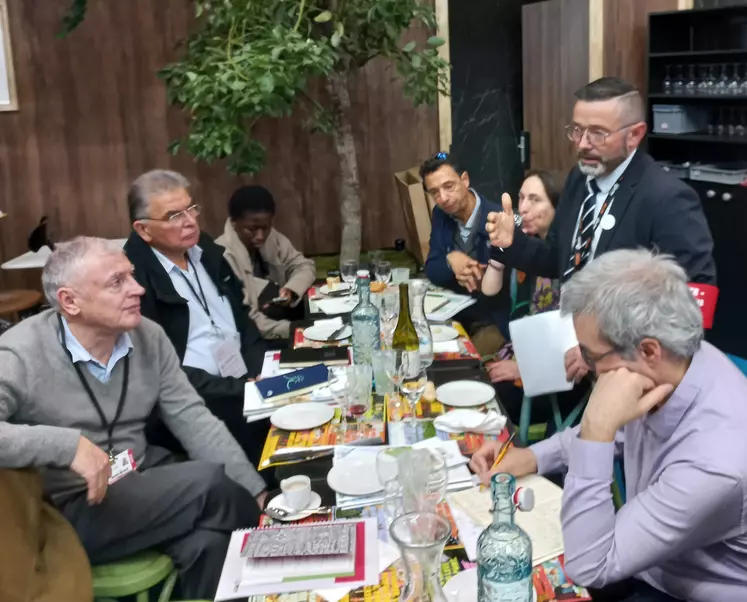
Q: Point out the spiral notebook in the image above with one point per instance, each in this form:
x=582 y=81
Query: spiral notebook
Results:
x=280 y=560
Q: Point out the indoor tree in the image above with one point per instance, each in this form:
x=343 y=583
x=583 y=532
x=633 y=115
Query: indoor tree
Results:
x=249 y=59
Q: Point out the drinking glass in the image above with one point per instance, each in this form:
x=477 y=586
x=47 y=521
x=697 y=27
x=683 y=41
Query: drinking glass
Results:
x=731 y=126
x=679 y=82
x=711 y=80
x=382 y=381
x=722 y=85
x=734 y=81
x=743 y=85
x=340 y=388
x=741 y=128
x=690 y=84
x=666 y=84
x=349 y=272
x=412 y=381
x=721 y=123
x=702 y=89
x=359 y=401
x=384 y=271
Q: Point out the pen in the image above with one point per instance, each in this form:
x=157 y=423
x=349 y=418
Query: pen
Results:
x=501 y=454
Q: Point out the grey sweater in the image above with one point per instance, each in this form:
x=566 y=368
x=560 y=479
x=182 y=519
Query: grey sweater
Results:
x=44 y=408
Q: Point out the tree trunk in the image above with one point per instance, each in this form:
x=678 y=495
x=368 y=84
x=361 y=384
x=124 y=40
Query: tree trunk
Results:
x=350 y=188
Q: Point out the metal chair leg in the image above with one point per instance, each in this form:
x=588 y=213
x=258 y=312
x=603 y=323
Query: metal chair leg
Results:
x=525 y=420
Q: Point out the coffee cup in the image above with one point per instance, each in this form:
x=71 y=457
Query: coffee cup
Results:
x=297 y=492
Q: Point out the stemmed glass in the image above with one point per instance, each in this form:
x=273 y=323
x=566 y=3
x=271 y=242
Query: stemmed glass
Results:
x=359 y=401
x=703 y=81
x=743 y=85
x=722 y=85
x=412 y=381
x=349 y=272
x=691 y=85
x=384 y=271
x=734 y=82
x=340 y=387
x=711 y=80
x=679 y=82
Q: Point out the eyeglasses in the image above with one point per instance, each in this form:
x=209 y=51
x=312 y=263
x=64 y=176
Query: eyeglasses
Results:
x=178 y=218
x=575 y=133
x=592 y=359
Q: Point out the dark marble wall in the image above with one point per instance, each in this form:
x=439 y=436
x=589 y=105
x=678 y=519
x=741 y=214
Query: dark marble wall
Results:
x=486 y=84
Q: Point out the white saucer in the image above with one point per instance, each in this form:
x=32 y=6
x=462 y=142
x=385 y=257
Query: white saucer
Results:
x=355 y=475
x=442 y=334
x=278 y=501
x=341 y=288
x=462 y=587
x=464 y=393
x=302 y=416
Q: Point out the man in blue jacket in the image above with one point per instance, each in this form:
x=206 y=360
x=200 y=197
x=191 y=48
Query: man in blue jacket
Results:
x=459 y=244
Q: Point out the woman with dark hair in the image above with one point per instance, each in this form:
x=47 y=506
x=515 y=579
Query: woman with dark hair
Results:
x=538 y=199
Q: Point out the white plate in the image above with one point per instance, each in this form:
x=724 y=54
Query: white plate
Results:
x=278 y=501
x=355 y=475
x=322 y=333
x=462 y=587
x=337 y=290
x=464 y=393
x=302 y=416
x=444 y=333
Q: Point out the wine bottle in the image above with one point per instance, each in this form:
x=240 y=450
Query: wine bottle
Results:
x=405 y=338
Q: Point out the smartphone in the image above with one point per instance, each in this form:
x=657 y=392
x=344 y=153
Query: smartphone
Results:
x=278 y=300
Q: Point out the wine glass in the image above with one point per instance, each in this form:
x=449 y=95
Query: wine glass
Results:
x=722 y=85
x=741 y=128
x=412 y=381
x=349 y=272
x=340 y=389
x=666 y=85
x=734 y=82
x=743 y=85
x=702 y=81
x=383 y=271
x=711 y=80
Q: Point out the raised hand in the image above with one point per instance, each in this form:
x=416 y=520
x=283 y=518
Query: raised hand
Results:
x=500 y=226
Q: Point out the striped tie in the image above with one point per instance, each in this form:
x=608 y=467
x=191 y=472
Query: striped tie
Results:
x=582 y=244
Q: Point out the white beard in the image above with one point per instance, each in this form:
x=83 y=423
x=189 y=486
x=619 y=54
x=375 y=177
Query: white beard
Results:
x=594 y=171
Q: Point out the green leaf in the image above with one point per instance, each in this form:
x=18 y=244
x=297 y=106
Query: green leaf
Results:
x=436 y=41
x=340 y=28
x=275 y=54
x=335 y=39
x=416 y=61
x=267 y=83
x=191 y=76
x=174 y=147
x=409 y=47
x=323 y=16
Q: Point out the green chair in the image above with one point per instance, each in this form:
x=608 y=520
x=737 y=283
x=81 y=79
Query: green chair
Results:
x=525 y=421
x=134 y=576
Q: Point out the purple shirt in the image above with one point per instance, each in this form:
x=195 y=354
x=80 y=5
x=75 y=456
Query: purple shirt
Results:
x=683 y=529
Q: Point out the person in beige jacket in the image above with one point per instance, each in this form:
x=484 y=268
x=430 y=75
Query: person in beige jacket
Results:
x=266 y=262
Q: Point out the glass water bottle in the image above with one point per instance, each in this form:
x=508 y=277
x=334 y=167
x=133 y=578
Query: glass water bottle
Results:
x=504 y=551
x=366 y=324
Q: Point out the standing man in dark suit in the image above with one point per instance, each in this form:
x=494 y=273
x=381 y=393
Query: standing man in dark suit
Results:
x=615 y=198
x=459 y=247
x=191 y=291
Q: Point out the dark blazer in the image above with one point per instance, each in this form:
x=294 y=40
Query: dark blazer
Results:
x=443 y=230
x=162 y=304
x=652 y=209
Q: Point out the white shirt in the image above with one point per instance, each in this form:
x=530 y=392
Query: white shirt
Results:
x=605 y=183
x=465 y=229
x=203 y=336
x=80 y=354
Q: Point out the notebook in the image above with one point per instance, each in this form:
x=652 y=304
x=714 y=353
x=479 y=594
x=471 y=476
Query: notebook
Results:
x=308 y=356
x=293 y=383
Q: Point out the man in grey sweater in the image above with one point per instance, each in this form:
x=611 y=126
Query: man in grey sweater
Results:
x=76 y=387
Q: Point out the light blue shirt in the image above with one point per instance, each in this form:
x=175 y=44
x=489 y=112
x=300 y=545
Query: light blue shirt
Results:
x=465 y=229
x=79 y=354
x=203 y=336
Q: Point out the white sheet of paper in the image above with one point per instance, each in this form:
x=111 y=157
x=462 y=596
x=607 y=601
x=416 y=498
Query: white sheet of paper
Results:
x=446 y=346
x=540 y=343
x=227 y=355
x=541 y=524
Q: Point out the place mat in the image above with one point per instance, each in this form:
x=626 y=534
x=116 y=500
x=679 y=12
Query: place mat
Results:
x=466 y=346
x=401 y=432
x=300 y=341
x=372 y=425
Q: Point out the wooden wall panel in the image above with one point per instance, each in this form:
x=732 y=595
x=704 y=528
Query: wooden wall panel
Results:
x=93 y=116
x=626 y=37
x=555 y=39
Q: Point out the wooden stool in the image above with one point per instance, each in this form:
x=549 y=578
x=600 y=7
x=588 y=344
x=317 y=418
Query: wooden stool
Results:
x=12 y=303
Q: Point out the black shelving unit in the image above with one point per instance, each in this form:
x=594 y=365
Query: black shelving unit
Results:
x=707 y=44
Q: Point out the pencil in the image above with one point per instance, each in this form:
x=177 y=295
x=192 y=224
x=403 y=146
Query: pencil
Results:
x=501 y=453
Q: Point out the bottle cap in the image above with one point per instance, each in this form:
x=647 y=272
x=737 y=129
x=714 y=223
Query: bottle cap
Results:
x=363 y=274
x=524 y=499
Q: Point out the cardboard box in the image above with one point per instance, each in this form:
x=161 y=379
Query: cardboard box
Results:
x=417 y=212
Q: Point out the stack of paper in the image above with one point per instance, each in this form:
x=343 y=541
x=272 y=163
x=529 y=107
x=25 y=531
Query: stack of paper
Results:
x=442 y=306
x=288 y=559
x=542 y=524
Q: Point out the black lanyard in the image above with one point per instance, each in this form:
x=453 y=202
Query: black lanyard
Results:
x=201 y=299
x=602 y=212
x=105 y=424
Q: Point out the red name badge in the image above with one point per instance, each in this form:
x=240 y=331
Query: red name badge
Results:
x=706 y=295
